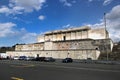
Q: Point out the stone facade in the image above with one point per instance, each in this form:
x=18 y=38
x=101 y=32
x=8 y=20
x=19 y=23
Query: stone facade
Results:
x=77 y=43
x=74 y=34
x=59 y=54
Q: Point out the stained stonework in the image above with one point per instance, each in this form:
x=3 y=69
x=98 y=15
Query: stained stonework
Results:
x=74 y=34
x=77 y=43
x=59 y=54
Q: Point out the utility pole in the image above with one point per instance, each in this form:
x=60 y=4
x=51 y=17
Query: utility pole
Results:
x=105 y=25
x=105 y=34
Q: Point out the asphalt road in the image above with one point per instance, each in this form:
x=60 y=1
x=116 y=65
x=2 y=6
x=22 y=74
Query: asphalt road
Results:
x=31 y=70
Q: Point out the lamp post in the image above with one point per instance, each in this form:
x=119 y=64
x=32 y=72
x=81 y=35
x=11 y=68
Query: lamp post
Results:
x=105 y=35
x=67 y=55
x=107 y=57
x=105 y=25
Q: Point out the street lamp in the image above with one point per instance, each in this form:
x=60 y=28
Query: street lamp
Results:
x=67 y=55
x=105 y=34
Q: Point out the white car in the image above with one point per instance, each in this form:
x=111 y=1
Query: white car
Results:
x=16 y=57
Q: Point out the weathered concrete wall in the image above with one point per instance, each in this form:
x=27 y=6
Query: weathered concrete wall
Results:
x=99 y=33
x=73 y=35
x=48 y=46
x=102 y=44
x=105 y=45
x=39 y=46
x=78 y=43
x=75 y=54
x=85 y=34
x=67 y=45
x=41 y=38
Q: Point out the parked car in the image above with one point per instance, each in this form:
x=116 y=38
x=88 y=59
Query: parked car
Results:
x=30 y=58
x=39 y=58
x=67 y=60
x=15 y=57
x=3 y=56
x=22 y=58
x=49 y=59
x=89 y=60
x=0 y=58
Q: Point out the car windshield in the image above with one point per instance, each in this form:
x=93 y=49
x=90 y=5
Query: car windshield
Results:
x=23 y=57
x=68 y=58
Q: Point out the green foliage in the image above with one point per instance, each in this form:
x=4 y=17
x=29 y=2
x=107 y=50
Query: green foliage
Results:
x=114 y=55
x=4 y=49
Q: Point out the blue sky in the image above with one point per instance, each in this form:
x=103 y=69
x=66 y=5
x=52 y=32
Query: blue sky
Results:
x=21 y=21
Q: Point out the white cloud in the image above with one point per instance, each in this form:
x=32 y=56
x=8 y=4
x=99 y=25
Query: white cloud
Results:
x=11 y=34
x=4 y=9
x=18 y=8
x=66 y=3
x=24 y=36
x=113 y=23
x=21 y=6
x=100 y=25
x=41 y=17
x=14 y=10
x=114 y=13
x=6 y=29
x=106 y=2
x=67 y=26
x=28 y=5
x=29 y=38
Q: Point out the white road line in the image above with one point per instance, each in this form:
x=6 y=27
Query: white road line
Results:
x=80 y=68
x=67 y=67
x=23 y=65
x=15 y=78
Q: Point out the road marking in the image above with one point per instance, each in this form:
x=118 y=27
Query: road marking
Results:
x=23 y=65
x=80 y=68
x=91 y=69
x=57 y=66
x=15 y=78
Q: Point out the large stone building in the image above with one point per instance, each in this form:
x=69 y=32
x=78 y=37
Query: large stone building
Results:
x=77 y=43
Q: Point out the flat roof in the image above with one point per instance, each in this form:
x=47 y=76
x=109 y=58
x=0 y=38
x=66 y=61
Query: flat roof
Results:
x=68 y=30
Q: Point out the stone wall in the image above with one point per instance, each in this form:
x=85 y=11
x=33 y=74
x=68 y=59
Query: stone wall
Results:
x=38 y=46
x=105 y=45
x=77 y=43
x=84 y=44
x=59 y=54
x=68 y=45
x=99 y=33
x=59 y=45
x=73 y=35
